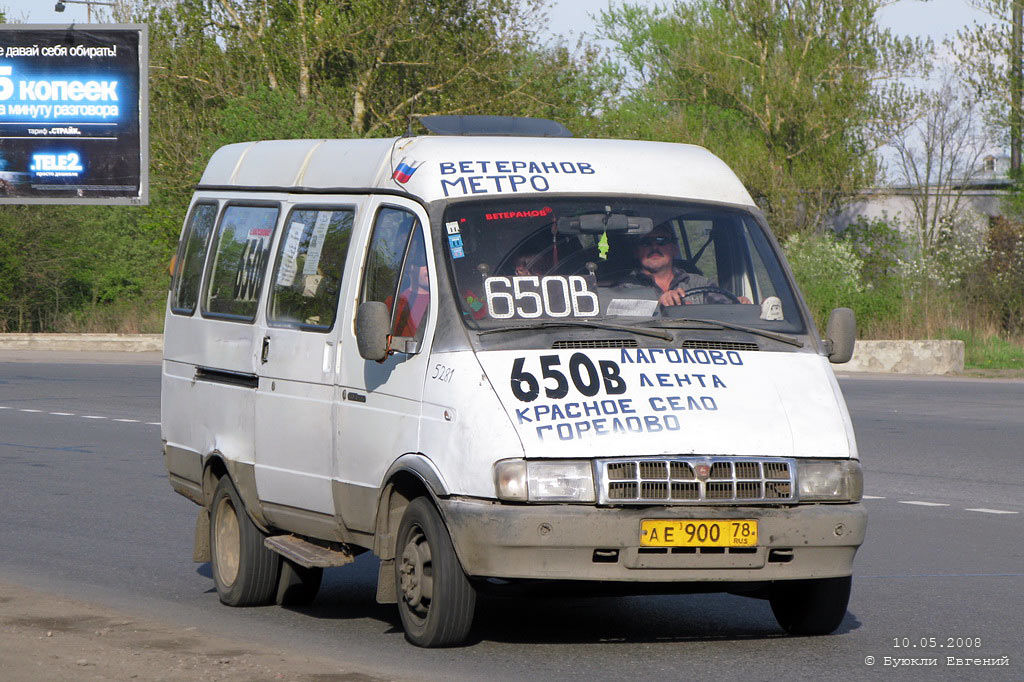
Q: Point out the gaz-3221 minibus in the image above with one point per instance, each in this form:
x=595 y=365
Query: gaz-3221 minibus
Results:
x=495 y=354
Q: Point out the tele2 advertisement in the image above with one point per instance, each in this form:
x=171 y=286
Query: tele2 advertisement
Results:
x=73 y=114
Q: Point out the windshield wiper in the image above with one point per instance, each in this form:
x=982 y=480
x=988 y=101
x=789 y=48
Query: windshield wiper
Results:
x=679 y=321
x=665 y=336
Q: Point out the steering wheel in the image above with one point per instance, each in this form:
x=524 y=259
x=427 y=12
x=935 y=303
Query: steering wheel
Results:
x=712 y=289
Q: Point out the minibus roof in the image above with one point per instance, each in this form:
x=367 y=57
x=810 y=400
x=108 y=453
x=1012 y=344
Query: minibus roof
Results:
x=438 y=167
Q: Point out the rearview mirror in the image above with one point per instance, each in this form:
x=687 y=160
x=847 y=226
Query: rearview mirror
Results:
x=599 y=223
x=373 y=325
x=840 y=335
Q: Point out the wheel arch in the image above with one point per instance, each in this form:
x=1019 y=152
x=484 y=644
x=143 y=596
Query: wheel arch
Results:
x=242 y=476
x=410 y=476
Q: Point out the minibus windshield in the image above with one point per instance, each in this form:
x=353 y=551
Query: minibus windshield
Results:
x=615 y=260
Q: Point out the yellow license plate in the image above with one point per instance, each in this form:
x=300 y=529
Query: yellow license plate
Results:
x=698 y=533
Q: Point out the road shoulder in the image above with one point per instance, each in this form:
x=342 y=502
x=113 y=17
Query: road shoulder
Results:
x=49 y=637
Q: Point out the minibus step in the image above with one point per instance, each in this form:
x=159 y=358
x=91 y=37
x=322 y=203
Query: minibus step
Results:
x=306 y=553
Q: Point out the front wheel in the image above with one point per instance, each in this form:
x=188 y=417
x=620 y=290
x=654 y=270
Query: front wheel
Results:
x=435 y=599
x=810 y=607
x=244 y=571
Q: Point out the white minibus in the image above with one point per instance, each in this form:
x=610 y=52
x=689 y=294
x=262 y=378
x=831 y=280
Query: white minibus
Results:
x=492 y=355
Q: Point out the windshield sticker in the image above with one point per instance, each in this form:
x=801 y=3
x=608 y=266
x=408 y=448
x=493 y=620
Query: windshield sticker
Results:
x=485 y=177
x=581 y=397
x=632 y=306
x=532 y=296
x=452 y=227
x=508 y=215
x=403 y=171
x=455 y=246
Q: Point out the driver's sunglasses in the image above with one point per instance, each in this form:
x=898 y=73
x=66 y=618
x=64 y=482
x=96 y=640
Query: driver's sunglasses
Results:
x=656 y=241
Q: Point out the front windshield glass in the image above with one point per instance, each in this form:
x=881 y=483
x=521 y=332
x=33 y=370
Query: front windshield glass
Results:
x=628 y=261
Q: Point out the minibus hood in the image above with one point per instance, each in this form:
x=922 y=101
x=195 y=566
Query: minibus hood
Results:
x=636 y=402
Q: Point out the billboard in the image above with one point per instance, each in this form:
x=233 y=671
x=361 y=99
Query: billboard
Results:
x=74 y=125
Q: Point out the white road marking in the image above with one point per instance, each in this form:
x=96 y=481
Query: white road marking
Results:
x=924 y=504
x=25 y=409
x=152 y=423
x=92 y=416
x=63 y=414
x=993 y=511
x=133 y=421
x=873 y=497
x=3 y=407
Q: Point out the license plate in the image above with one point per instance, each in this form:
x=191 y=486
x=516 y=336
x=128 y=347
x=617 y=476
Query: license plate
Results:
x=698 y=533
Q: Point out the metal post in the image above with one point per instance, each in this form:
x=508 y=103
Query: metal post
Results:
x=1016 y=82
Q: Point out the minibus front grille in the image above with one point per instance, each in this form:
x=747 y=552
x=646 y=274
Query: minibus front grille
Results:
x=719 y=345
x=696 y=480
x=595 y=343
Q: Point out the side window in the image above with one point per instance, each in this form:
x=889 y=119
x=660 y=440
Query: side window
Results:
x=240 y=262
x=189 y=265
x=397 y=273
x=764 y=287
x=701 y=247
x=310 y=261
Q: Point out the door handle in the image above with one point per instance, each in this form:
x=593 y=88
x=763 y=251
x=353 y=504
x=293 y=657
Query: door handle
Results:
x=266 y=350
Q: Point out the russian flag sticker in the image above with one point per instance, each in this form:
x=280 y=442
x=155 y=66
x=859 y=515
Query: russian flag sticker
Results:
x=403 y=172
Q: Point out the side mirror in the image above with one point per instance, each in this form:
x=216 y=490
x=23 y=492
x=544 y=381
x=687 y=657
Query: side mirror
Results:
x=373 y=325
x=840 y=335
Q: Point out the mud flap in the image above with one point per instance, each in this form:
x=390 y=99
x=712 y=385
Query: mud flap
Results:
x=201 y=550
x=386 y=591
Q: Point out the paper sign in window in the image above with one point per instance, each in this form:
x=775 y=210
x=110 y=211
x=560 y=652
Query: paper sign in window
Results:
x=316 y=242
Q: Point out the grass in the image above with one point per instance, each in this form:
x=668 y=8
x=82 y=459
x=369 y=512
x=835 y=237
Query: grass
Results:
x=128 y=317
x=989 y=351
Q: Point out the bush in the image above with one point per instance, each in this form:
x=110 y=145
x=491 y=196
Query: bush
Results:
x=1004 y=268
x=827 y=271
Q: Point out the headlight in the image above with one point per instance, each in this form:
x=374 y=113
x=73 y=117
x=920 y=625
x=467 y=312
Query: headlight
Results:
x=544 y=481
x=825 y=480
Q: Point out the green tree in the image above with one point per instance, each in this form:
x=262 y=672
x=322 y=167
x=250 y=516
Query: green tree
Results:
x=224 y=71
x=795 y=95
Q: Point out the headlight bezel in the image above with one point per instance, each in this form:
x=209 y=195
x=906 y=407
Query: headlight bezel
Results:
x=829 y=480
x=522 y=480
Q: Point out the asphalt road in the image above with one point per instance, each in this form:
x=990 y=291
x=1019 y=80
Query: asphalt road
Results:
x=86 y=511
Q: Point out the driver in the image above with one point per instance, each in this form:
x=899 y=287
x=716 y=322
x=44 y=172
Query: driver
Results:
x=654 y=254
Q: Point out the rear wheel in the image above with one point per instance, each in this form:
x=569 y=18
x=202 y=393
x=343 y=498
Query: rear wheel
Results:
x=810 y=607
x=435 y=599
x=245 y=572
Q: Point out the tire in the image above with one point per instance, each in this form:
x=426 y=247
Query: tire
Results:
x=811 y=607
x=436 y=601
x=244 y=570
x=297 y=585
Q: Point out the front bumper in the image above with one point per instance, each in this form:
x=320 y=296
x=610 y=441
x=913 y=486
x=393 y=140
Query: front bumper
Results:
x=559 y=542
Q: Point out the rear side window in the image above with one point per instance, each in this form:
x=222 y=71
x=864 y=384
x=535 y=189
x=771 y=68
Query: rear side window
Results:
x=239 y=263
x=188 y=269
x=396 y=271
x=310 y=260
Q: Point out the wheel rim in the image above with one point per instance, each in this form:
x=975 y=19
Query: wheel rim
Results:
x=416 y=572
x=227 y=542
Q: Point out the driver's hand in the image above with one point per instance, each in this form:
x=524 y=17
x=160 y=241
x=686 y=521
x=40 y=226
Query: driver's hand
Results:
x=672 y=297
x=744 y=299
